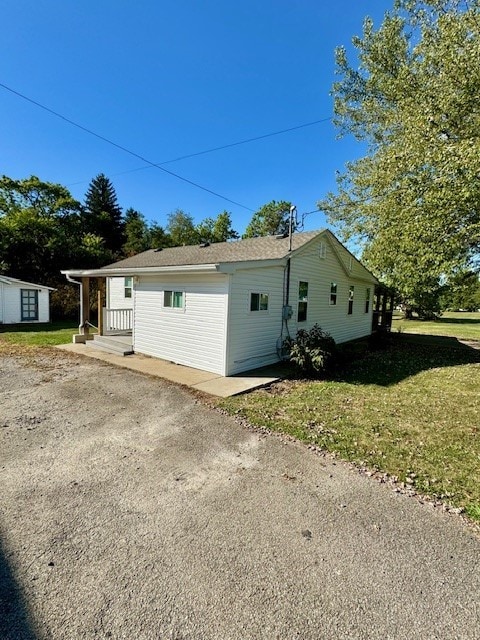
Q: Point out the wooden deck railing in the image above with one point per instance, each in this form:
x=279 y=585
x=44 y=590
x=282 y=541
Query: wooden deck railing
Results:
x=117 y=320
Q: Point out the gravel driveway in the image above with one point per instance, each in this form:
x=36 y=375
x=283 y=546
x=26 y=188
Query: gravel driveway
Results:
x=130 y=510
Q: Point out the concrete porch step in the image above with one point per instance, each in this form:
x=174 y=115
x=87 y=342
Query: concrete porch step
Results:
x=121 y=345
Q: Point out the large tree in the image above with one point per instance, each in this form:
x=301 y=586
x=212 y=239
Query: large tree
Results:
x=271 y=219
x=103 y=215
x=39 y=229
x=413 y=201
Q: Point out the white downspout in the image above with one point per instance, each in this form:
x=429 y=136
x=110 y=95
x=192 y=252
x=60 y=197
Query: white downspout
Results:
x=2 y=301
x=70 y=279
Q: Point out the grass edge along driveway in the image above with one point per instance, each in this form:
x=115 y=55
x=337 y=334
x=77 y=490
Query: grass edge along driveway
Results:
x=411 y=411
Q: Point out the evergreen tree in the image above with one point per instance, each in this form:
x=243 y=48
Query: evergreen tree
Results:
x=102 y=215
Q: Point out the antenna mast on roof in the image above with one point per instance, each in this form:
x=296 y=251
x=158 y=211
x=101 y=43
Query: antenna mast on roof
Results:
x=293 y=209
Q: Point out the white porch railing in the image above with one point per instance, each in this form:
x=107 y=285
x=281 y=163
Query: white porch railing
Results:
x=117 y=320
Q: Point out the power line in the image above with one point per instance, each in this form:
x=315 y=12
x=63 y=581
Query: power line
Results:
x=122 y=148
x=225 y=146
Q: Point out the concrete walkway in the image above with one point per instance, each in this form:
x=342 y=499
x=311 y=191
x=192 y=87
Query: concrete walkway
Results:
x=204 y=381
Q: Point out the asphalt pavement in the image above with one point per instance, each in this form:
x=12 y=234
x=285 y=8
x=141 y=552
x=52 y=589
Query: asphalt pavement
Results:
x=130 y=510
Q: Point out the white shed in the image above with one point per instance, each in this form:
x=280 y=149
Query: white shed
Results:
x=227 y=307
x=22 y=301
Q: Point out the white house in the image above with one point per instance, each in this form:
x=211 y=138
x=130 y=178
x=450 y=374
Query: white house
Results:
x=23 y=301
x=227 y=307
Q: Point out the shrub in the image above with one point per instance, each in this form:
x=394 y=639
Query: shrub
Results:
x=313 y=351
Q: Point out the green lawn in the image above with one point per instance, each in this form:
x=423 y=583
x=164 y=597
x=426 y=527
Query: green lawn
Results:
x=411 y=410
x=458 y=324
x=47 y=334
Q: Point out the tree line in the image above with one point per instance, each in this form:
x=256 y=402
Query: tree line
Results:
x=43 y=230
x=411 y=204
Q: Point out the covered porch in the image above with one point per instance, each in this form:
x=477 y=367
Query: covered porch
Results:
x=114 y=327
x=383 y=309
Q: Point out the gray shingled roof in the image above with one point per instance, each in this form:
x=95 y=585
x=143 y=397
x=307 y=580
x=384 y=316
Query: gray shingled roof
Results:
x=265 y=248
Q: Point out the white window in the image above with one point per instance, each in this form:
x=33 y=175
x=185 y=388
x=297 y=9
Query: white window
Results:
x=322 y=250
x=350 y=299
x=333 y=293
x=128 y=287
x=259 y=302
x=302 y=301
x=173 y=299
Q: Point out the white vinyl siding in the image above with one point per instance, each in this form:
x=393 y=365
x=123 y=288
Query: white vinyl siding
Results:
x=116 y=294
x=10 y=303
x=194 y=335
x=320 y=273
x=253 y=334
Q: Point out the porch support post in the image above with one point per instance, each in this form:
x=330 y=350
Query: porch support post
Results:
x=85 y=319
x=384 y=309
x=100 y=303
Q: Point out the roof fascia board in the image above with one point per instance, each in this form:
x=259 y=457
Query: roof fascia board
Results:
x=134 y=271
x=9 y=281
x=333 y=240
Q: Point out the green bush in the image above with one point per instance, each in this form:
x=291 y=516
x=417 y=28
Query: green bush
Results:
x=313 y=351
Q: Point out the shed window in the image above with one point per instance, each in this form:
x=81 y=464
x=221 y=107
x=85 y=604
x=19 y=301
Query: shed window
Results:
x=128 y=287
x=333 y=293
x=302 y=301
x=350 y=299
x=29 y=304
x=259 y=302
x=173 y=299
x=367 y=301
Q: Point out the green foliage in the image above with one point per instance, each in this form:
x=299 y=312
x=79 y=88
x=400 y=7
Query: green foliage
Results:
x=271 y=219
x=136 y=232
x=64 y=302
x=462 y=291
x=39 y=229
x=159 y=238
x=102 y=216
x=217 y=229
x=181 y=229
x=312 y=351
x=412 y=202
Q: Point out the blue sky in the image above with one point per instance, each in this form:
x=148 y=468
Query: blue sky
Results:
x=174 y=77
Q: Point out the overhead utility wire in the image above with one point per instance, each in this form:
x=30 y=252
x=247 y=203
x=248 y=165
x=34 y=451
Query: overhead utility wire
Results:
x=225 y=146
x=119 y=146
x=228 y=146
